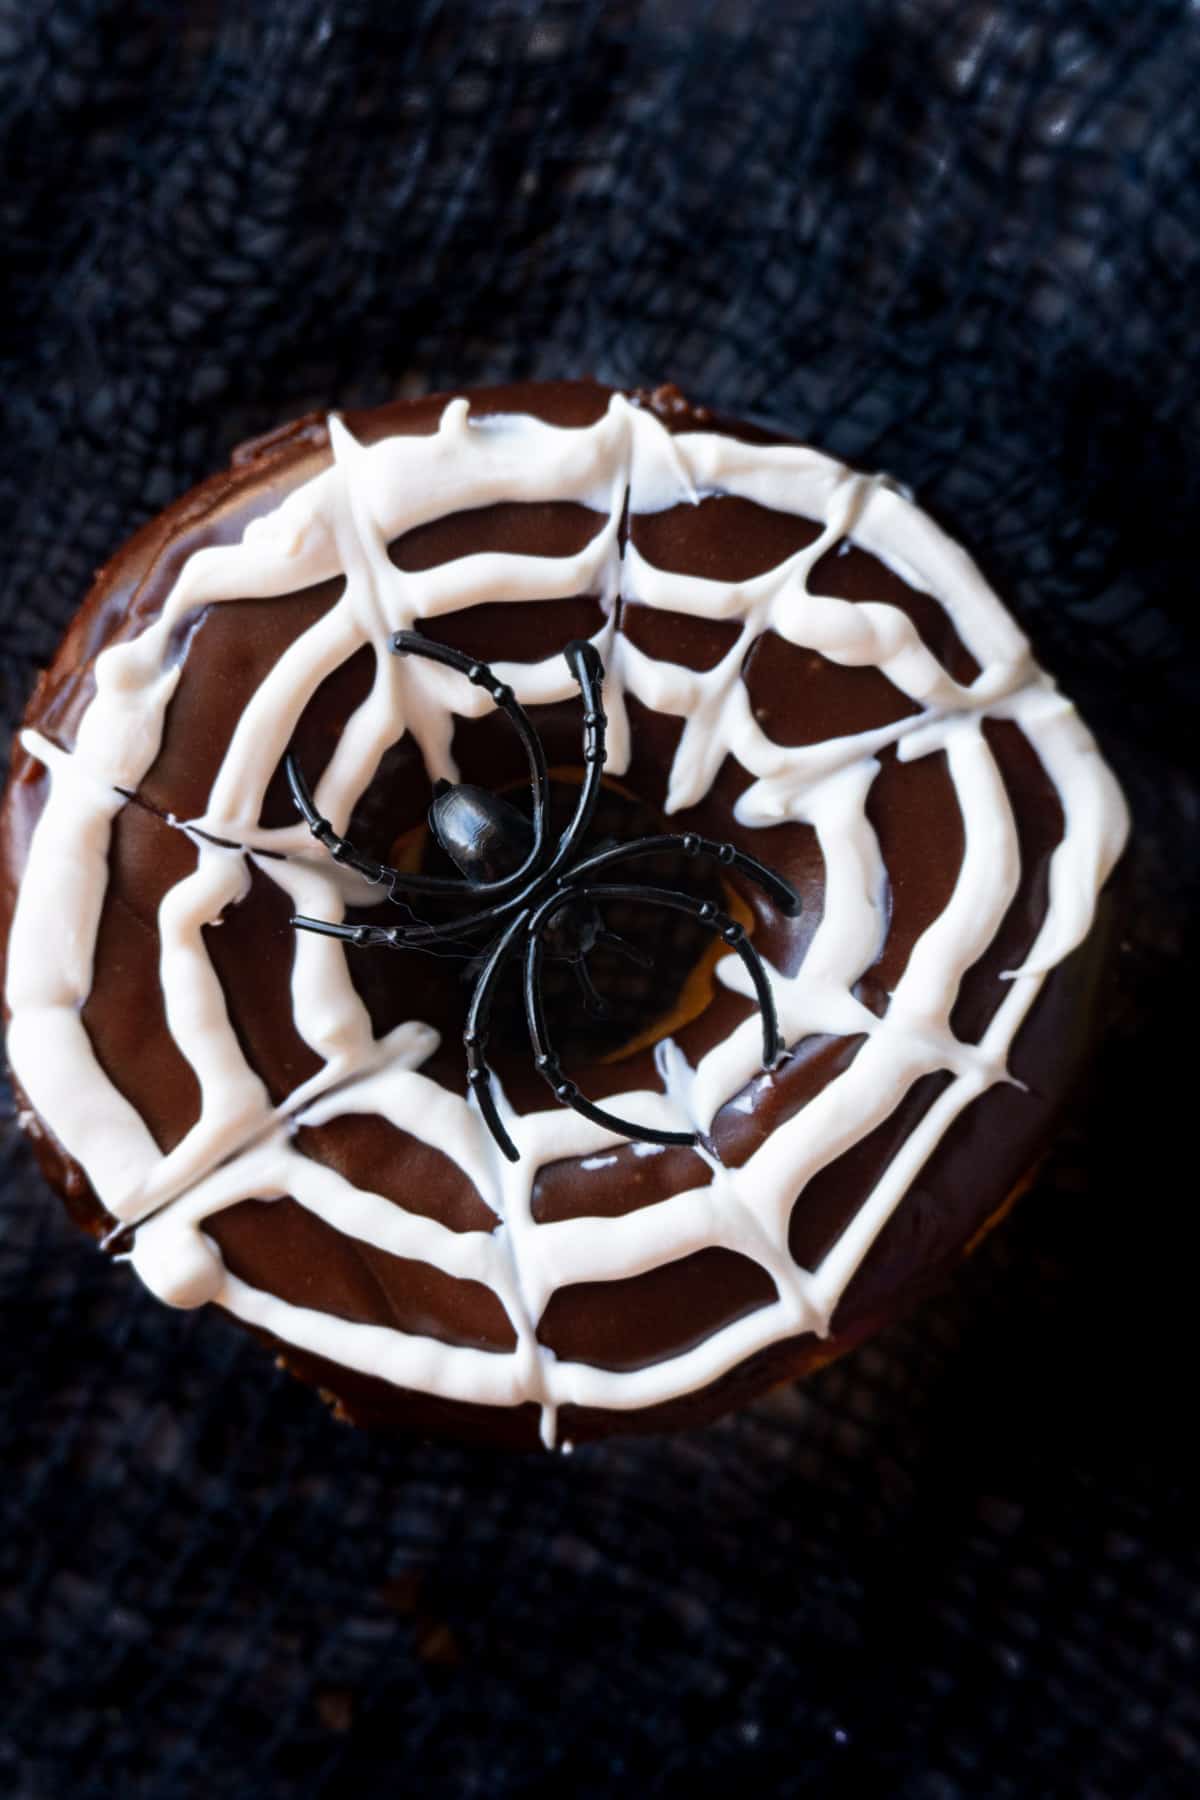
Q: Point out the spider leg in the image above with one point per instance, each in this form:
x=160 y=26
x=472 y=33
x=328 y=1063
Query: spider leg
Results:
x=630 y=951
x=475 y=1033
x=364 y=936
x=690 y=843
x=587 y=668
x=411 y=643
x=340 y=848
x=583 y=660
x=592 y=998
x=414 y=936
x=547 y=1063
x=430 y=940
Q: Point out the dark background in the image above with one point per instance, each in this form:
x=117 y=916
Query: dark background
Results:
x=958 y=241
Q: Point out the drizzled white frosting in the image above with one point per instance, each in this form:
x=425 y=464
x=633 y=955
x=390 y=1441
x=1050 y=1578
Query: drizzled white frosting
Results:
x=241 y=1147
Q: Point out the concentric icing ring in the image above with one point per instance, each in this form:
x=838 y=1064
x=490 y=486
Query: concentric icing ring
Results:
x=336 y=529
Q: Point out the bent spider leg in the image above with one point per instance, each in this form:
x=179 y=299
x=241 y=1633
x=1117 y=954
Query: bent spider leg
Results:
x=630 y=951
x=411 y=643
x=705 y=912
x=545 y=1060
x=343 y=851
x=690 y=843
x=418 y=934
x=593 y=1000
x=340 y=848
x=475 y=1034
x=588 y=670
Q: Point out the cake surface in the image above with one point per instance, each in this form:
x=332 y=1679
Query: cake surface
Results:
x=797 y=659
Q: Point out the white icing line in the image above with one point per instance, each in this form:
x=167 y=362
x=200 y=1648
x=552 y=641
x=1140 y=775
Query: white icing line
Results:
x=326 y=1007
x=50 y=948
x=340 y=524
x=261 y=734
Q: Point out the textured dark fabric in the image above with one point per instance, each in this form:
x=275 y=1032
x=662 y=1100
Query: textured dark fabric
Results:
x=960 y=241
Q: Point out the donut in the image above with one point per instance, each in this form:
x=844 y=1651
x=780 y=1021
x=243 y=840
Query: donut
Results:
x=796 y=661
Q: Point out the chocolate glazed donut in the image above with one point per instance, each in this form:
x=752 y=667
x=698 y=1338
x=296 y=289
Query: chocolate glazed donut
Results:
x=797 y=661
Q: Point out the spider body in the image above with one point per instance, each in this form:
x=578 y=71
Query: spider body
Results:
x=528 y=896
x=485 y=836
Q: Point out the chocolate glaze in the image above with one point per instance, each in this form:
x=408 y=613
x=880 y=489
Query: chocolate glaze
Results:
x=800 y=697
x=124 y=1013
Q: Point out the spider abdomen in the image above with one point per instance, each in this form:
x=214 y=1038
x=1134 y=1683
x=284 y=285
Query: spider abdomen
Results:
x=485 y=836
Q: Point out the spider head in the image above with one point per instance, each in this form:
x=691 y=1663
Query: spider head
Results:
x=485 y=837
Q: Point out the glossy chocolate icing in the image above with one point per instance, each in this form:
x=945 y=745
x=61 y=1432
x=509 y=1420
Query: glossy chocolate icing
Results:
x=799 y=696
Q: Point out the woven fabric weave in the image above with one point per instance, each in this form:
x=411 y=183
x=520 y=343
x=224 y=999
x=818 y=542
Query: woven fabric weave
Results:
x=957 y=240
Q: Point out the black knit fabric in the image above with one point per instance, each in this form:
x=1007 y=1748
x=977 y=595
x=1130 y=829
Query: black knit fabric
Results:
x=957 y=240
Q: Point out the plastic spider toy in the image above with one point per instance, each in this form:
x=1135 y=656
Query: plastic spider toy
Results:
x=536 y=896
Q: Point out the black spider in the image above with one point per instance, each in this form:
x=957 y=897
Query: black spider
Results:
x=527 y=883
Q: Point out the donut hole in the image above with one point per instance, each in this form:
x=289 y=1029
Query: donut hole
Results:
x=667 y=988
x=656 y=975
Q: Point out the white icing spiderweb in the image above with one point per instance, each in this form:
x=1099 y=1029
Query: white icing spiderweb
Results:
x=243 y=1147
